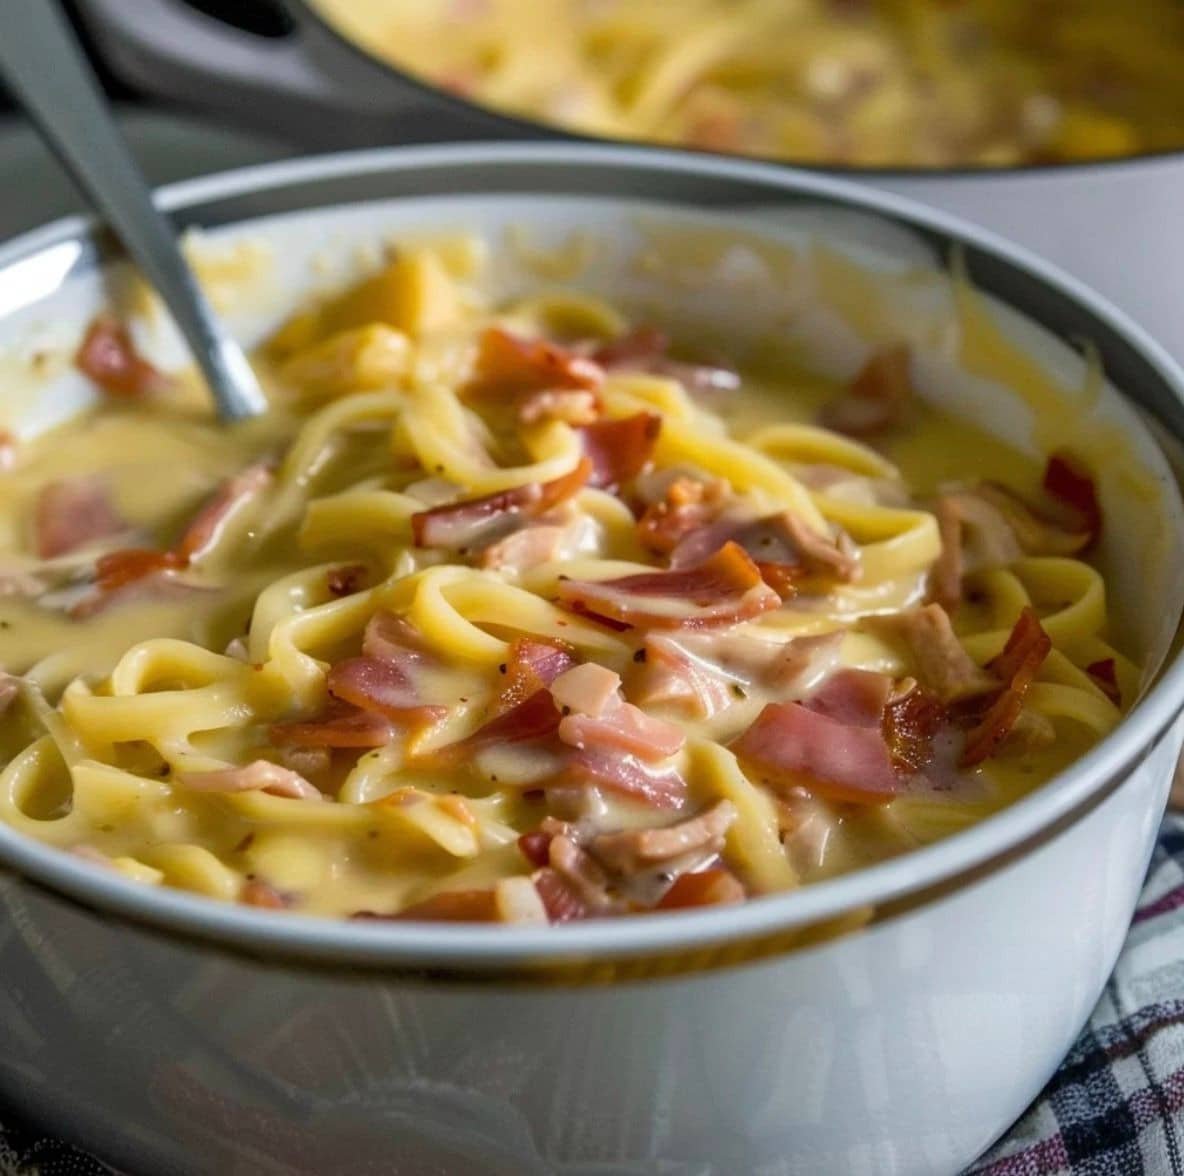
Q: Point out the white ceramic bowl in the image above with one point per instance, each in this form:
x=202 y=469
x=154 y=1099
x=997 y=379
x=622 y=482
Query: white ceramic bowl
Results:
x=892 y=1021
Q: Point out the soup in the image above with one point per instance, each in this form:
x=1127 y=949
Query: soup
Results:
x=861 y=83
x=527 y=612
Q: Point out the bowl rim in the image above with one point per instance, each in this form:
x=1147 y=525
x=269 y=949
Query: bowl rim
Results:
x=958 y=859
x=535 y=128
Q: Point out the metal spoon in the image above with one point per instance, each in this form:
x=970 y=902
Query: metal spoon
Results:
x=41 y=63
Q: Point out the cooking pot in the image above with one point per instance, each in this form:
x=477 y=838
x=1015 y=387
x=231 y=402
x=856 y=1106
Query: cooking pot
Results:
x=1115 y=224
x=894 y=1020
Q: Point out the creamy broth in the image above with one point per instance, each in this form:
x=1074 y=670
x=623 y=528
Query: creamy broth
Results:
x=387 y=649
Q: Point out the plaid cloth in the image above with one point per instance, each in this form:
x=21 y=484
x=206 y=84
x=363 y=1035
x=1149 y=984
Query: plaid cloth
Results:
x=1114 y=1108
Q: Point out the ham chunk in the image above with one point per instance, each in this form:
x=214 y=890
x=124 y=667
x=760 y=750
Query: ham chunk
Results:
x=723 y=590
x=659 y=786
x=939 y=661
x=261 y=775
x=791 y=746
x=73 y=513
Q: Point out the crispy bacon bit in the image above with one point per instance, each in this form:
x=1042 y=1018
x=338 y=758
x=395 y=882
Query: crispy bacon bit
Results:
x=478 y=520
x=1016 y=667
x=790 y=745
x=689 y=505
x=108 y=356
x=338 y=727
x=536 y=717
x=258 y=893
x=724 y=589
x=716 y=886
x=877 y=398
x=573 y=406
x=1070 y=483
x=261 y=775
x=560 y=898
x=383 y=688
x=533 y=664
x=345 y=581
x=508 y=364
x=207 y=525
x=73 y=512
x=630 y=851
x=911 y=723
x=661 y=787
x=1105 y=674
x=940 y=661
x=619 y=450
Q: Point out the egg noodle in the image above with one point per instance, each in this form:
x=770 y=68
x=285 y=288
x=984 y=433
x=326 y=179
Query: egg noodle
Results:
x=522 y=612
x=867 y=83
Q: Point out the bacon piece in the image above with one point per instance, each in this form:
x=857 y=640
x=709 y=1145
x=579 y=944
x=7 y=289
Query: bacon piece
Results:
x=394 y=639
x=662 y=787
x=688 y=505
x=1105 y=674
x=476 y=521
x=624 y=728
x=338 y=727
x=670 y=675
x=1016 y=667
x=790 y=745
x=260 y=775
x=527 y=548
x=536 y=717
x=573 y=406
x=630 y=851
x=535 y=847
x=1070 y=483
x=855 y=698
x=533 y=664
x=206 y=527
x=940 y=662
x=118 y=569
x=258 y=893
x=346 y=580
x=945 y=577
x=383 y=688
x=910 y=725
x=619 y=450
x=716 y=886
x=877 y=398
x=109 y=358
x=73 y=512
x=785 y=549
x=508 y=364
x=724 y=589
x=560 y=898
x=1035 y=533
x=576 y=867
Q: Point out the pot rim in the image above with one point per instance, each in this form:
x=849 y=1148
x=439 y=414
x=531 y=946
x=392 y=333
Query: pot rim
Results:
x=530 y=128
x=1017 y=829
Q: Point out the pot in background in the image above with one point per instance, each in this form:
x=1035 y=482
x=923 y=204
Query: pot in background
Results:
x=895 y=1020
x=1115 y=224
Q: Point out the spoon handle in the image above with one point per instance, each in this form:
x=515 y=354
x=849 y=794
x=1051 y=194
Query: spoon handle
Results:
x=43 y=66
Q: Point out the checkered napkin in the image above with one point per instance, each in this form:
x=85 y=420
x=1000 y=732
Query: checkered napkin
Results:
x=1114 y=1108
